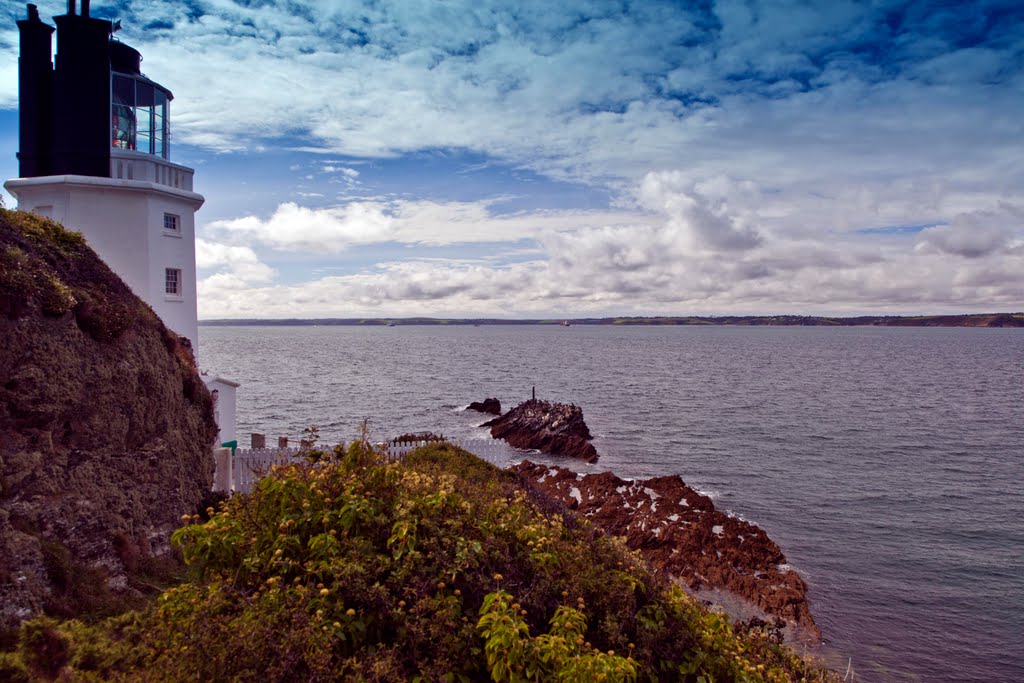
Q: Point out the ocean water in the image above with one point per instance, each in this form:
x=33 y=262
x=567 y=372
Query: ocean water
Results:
x=886 y=462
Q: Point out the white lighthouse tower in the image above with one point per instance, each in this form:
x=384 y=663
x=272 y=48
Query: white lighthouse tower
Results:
x=94 y=155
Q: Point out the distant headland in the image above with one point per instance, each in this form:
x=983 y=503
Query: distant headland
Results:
x=968 y=320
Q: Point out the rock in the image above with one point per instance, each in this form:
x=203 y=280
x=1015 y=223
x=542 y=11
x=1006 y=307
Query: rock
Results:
x=679 y=531
x=488 y=405
x=554 y=428
x=105 y=428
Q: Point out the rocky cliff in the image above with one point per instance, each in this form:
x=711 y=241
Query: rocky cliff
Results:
x=679 y=531
x=105 y=428
x=554 y=428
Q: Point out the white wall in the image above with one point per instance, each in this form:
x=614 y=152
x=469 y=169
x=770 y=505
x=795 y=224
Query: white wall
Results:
x=123 y=221
x=224 y=407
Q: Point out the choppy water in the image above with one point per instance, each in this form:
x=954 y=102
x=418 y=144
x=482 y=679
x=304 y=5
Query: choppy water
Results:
x=886 y=462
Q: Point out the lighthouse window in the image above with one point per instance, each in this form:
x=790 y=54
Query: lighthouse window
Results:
x=172 y=280
x=172 y=223
x=144 y=116
x=160 y=131
x=138 y=112
x=122 y=110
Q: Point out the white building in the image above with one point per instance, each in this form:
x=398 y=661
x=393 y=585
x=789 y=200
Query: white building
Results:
x=94 y=155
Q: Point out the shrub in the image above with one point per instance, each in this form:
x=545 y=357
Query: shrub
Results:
x=437 y=568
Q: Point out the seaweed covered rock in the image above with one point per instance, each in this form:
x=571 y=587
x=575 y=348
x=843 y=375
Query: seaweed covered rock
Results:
x=105 y=428
x=679 y=531
x=555 y=428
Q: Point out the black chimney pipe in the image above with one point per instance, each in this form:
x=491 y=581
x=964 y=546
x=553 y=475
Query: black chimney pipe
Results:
x=85 y=8
x=35 y=96
x=71 y=8
x=81 y=132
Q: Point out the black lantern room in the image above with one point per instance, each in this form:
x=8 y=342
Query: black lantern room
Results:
x=91 y=99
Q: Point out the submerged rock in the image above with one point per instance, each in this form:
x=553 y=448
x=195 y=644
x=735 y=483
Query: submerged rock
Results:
x=679 y=531
x=555 y=428
x=488 y=405
x=105 y=428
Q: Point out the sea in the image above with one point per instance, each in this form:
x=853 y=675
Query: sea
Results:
x=886 y=462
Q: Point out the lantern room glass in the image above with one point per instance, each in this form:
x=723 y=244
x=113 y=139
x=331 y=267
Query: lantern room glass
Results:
x=138 y=115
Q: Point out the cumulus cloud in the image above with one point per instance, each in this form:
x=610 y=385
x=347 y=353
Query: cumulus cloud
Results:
x=334 y=229
x=240 y=266
x=704 y=223
x=971 y=235
x=699 y=249
x=297 y=228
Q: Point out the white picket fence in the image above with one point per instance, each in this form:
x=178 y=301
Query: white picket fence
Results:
x=240 y=473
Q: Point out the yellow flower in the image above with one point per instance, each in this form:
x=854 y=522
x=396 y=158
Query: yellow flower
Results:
x=324 y=591
x=350 y=612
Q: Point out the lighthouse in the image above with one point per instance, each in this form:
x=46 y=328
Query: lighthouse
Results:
x=94 y=155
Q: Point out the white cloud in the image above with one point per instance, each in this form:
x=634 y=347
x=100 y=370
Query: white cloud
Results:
x=335 y=229
x=297 y=228
x=704 y=223
x=350 y=173
x=707 y=250
x=972 y=235
x=239 y=265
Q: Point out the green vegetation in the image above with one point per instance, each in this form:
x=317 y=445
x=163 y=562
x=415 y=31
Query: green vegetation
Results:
x=438 y=568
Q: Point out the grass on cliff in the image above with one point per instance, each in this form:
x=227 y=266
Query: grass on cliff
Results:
x=439 y=568
x=46 y=267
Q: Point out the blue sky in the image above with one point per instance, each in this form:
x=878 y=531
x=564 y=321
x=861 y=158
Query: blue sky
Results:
x=521 y=159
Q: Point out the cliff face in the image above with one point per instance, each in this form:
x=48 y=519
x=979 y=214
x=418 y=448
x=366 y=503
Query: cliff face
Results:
x=105 y=427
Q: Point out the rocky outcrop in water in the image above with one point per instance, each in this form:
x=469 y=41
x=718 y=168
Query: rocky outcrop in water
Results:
x=105 y=428
x=679 y=531
x=488 y=405
x=555 y=428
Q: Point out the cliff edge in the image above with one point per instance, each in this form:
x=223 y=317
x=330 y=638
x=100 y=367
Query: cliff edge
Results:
x=105 y=428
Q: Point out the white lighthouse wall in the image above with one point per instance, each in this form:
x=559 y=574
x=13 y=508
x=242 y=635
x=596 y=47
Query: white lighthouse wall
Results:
x=224 y=407
x=173 y=250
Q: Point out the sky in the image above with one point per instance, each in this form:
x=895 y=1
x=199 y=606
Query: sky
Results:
x=510 y=159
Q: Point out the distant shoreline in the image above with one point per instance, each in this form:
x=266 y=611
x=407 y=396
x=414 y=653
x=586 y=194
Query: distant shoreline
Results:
x=966 y=320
